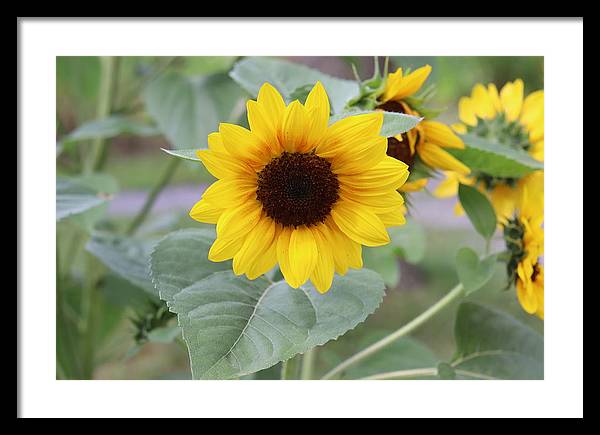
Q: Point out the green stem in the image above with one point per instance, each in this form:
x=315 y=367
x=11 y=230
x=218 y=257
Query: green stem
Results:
x=103 y=107
x=164 y=180
x=289 y=369
x=456 y=293
x=308 y=364
x=403 y=374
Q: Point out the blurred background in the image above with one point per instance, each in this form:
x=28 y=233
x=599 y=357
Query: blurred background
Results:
x=135 y=161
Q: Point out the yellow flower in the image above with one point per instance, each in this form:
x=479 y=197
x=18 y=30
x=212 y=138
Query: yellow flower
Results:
x=524 y=237
x=510 y=119
x=503 y=197
x=427 y=140
x=296 y=192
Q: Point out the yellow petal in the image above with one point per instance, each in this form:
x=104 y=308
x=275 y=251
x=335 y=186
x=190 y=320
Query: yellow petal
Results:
x=303 y=253
x=215 y=143
x=392 y=85
x=511 y=97
x=349 y=132
x=466 y=111
x=256 y=243
x=368 y=154
x=294 y=128
x=447 y=187
x=243 y=144
x=414 y=186
x=360 y=224
x=267 y=260
x=283 y=257
x=263 y=126
x=202 y=211
x=322 y=275
x=504 y=199
x=494 y=97
x=393 y=218
x=318 y=109
x=238 y=221
x=346 y=252
x=537 y=150
x=222 y=164
x=435 y=157
x=390 y=173
x=271 y=101
x=459 y=128
x=376 y=201
x=525 y=293
x=533 y=109
x=224 y=249
x=411 y=83
x=482 y=103
x=230 y=191
x=442 y=135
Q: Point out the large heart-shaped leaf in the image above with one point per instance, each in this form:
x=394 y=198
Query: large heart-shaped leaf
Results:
x=494 y=158
x=493 y=345
x=127 y=257
x=76 y=195
x=108 y=127
x=233 y=326
x=479 y=209
x=251 y=73
x=404 y=354
x=473 y=272
x=187 y=109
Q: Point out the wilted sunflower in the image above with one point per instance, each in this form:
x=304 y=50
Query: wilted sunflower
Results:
x=504 y=117
x=293 y=190
x=428 y=139
x=524 y=238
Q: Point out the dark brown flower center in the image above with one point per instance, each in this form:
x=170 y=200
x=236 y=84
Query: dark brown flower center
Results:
x=397 y=149
x=400 y=150
x=297 y=189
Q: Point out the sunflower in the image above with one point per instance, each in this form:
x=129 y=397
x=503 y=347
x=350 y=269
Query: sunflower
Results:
x=524 y=238
x=509 y=119
x=294 y=191
x=428 y=140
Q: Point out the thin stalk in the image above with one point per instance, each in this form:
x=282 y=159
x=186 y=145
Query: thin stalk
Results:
x=456 y=293
x=162 y=182
x=308 y=364
x=103 y=107
x=403 y=374
x=289 y=369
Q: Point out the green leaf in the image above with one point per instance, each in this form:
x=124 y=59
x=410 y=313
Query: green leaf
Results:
x=127 y=257
x=493 y=345
x=479 y=210
x=107 y=128
x=495 y=159
x=409 y=241
x=393 y=123
x=233 y=326
x=404 y=354
x=473 y=272
x=76 y=195
x=184 y=154
x=251 y=73
x=187 y=109
x=384 y=261
x=199 y=65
